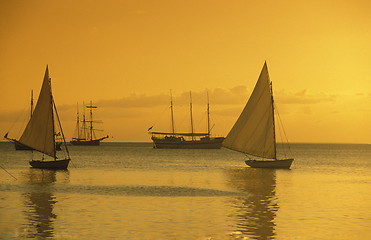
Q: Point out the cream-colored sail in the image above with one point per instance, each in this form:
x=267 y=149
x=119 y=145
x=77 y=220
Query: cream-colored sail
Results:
x=39 y=132
x=253 y=133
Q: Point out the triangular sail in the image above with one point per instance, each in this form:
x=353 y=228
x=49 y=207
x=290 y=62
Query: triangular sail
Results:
x=39 y=132
x=253 y=133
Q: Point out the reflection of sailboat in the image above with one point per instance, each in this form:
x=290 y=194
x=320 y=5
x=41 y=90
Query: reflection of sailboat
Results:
x=20 y=146
x=86 y=134
x=40 y=132
x=186 y=140
x=254 y=131
x=256 y=213
x=40 y=204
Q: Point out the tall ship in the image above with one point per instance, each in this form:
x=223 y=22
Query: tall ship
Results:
x=85 y=131
x=191 y=140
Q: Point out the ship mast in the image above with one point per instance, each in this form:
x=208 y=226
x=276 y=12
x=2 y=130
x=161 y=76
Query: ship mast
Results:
x=78 y=122
x=31 y=102
x=190 y=106
x=208 y=115
x=172 y=113
x=274 y=126
x=53 y=126
x=91 y=119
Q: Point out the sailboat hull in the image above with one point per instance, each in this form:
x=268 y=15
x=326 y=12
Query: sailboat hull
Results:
x=276 y=164
x=58 y=164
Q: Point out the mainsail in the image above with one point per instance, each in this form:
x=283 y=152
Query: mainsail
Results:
x=39 y=132
x=253 y=133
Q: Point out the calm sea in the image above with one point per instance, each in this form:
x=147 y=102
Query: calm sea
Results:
x=132 y=191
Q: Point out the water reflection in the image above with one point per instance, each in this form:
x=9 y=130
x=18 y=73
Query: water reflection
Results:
x=256 y=212
x=39 y=202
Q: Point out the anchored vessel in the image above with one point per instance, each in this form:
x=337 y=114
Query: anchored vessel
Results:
x=254 y=131
x=190 y=140
x=41 y=131
x=20 y=146
x=86 y=132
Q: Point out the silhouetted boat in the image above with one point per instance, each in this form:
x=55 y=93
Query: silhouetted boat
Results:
x=254 y=131
x=190 y=140
x=40 y=133
x=86 y=134
x=20 y=146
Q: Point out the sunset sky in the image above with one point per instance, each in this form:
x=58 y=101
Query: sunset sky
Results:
x=125 y=56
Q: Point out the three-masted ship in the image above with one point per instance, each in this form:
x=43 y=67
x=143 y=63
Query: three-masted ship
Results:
x=192 y=140
x=85 y=131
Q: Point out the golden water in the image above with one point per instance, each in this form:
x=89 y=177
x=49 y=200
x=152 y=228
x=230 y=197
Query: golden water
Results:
x=132 y=191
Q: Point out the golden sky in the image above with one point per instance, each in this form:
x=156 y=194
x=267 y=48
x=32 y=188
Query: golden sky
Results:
x=125 y=56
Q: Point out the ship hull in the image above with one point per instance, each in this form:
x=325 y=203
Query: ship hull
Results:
x=85 y=143
x=276 y=164
x=57 y=164
x=179 y=143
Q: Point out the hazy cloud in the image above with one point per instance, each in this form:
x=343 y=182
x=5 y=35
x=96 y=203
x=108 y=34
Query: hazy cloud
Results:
x=302 y=97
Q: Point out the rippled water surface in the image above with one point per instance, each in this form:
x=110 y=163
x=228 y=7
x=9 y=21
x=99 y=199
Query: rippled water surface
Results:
x=132 y=191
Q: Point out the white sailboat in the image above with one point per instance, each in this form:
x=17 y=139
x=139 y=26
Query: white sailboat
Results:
x=254 y=131
x=40 y=132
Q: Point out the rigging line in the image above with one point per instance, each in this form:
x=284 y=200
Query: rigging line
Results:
x=8 y=172
x=60 y=126
x=160 y=116
x=279 y=118
x=280 y=131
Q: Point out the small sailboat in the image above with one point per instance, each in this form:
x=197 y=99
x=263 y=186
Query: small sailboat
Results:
x=20 y=146
x=86 y=132
x=40 y=133
x=254 y=131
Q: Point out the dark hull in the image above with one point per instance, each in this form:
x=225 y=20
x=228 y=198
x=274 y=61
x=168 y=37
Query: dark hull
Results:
x=85 y=143
x=19 y=146
x=57 y=164
x=179 y=143
x=276 y=164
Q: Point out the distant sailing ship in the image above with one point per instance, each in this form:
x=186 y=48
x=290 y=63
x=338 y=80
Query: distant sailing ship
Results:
x=40 y=132
x=86 y=132
x=190 y=140
x=20 y=146
x=254 y=131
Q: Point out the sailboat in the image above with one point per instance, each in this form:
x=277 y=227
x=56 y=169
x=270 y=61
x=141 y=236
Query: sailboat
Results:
x=86 y=134
x=254 y=131
x=192 y=140
x=20 y=146
x=40 y=132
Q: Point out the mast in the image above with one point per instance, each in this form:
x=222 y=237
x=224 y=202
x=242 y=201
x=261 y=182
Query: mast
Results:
x=31 y=102
x=53 y=127
x=84 y=122
x=208 y=115
x=91 y=119
x=190 y=108
x=274 y=126
x=78 y=122
x=172 y=112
